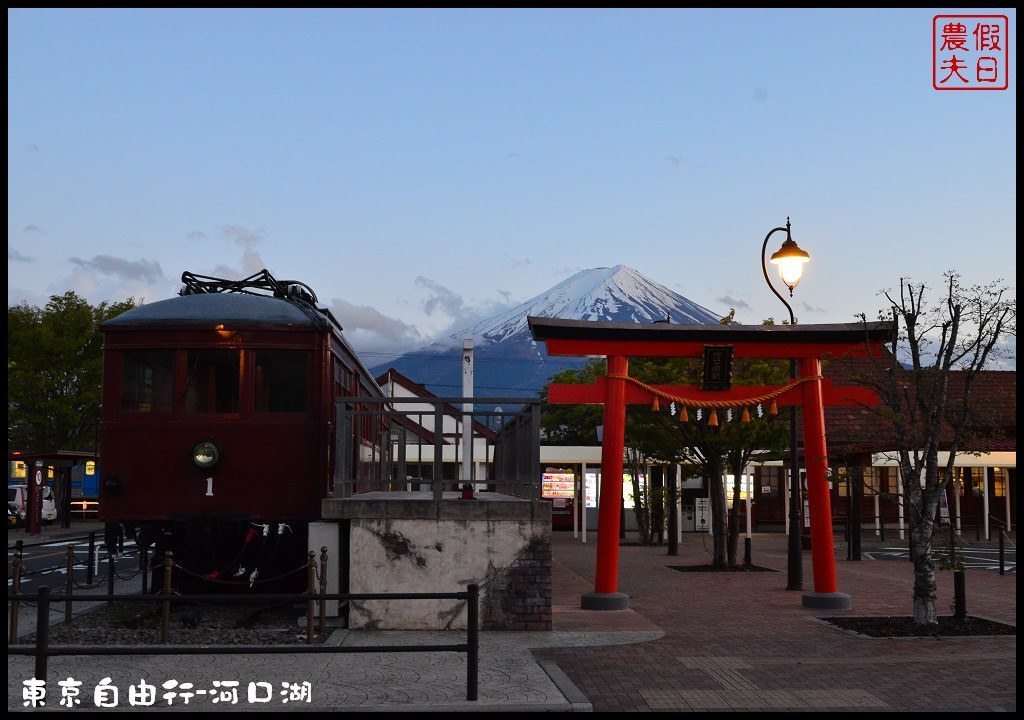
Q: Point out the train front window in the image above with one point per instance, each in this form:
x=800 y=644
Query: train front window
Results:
x=282 y=380
x=146 y=381
x=213 y=381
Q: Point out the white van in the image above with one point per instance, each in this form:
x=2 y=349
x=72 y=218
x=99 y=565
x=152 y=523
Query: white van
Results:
x=17 y=495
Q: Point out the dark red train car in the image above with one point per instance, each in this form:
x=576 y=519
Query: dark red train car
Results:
x=218 y=425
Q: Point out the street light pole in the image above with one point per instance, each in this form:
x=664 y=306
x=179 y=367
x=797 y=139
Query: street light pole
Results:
x=790 y=260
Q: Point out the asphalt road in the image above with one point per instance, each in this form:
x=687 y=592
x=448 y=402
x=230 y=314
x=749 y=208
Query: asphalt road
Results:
x=974 y=558
x=45 y=564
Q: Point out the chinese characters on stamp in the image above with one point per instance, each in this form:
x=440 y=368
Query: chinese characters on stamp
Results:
x=970 y=52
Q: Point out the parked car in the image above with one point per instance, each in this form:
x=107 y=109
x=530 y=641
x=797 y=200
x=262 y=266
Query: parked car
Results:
x=17 y=497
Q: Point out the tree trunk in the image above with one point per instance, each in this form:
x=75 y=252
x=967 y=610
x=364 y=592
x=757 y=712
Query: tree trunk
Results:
x=719 y=515
x=924 y=572
x=734 y=523
x=922 y=528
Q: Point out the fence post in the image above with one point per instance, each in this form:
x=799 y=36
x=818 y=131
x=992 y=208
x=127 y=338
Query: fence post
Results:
x=144 y=568
x=310 y=590
x=165 y=629
x=473 y=641
x=42 y=632
x=15 y=590
x=110 y=576
x=435 y=472
x=92 y=557
x=323 y=591
x=70 y=583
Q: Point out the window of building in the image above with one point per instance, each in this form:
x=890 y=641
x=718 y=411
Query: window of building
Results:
x=869 y=476
x=282 y=380
x=970 y=480
x=999 y=482
x=872 y=481
x=842 y=480
x=214 y=377
x=146 y=378
x=771 y=479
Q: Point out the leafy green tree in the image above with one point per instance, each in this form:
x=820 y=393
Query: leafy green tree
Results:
x=54 y=372
x=712 y=449
x=572 y=424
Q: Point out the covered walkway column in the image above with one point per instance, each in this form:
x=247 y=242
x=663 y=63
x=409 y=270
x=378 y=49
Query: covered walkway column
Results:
x=823 y=558
x=606 y=582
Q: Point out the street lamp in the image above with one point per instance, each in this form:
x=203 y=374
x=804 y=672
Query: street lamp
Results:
x=790 y=260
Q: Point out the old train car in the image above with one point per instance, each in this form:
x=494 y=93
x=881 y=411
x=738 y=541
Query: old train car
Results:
x=218 y=424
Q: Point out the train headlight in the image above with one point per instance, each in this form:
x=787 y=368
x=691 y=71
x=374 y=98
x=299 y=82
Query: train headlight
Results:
x=205 y=454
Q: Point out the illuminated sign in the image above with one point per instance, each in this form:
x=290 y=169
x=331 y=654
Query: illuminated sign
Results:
x=558 y=485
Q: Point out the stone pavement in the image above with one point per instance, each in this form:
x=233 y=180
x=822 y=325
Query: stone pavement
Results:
x=741 y=641
x=690 y=641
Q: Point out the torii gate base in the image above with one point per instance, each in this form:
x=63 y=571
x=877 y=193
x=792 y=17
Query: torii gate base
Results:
x=827 y=601
x=619 y=341
x=604 y=601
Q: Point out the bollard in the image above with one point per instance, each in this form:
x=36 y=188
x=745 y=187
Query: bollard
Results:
x=92 y=557
x=42 y=632
x=165 y=630
x=70 y=583
x=746 y=552
x=1002 y=553
x=15 y=590
x=849 y=545
x=881 y=528
x=959 y=595
x=472 y=641
x=310 y=585
x=323 y=591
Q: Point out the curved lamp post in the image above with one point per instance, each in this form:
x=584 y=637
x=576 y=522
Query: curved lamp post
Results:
x=790 y=260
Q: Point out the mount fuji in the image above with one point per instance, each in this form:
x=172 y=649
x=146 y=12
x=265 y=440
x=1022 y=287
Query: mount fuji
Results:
x=508 y=363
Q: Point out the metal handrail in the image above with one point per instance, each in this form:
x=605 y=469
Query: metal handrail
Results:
x=42 y=650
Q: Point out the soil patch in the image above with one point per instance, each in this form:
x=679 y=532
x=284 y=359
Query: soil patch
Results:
x=904 y=626
x=712 y=568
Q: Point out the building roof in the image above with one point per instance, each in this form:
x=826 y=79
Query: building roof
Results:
x=215 y=308
x=992 y=406
x=393 y=376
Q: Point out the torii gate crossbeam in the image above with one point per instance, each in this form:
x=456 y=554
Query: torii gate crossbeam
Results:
x=619 y=341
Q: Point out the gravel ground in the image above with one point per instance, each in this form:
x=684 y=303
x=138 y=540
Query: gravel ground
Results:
x=139 y=624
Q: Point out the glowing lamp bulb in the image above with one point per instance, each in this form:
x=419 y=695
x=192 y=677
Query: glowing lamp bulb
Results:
x=790 y=260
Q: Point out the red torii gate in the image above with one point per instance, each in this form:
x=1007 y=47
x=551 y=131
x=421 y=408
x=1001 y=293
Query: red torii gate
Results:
x=620 y=341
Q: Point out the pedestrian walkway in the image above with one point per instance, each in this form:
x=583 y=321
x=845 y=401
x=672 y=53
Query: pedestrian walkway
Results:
x=741 y=641
x=689 y=641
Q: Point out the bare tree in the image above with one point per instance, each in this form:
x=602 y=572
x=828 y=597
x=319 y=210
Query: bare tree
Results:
x=938 y=351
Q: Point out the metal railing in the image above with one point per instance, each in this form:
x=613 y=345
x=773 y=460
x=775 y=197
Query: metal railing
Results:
x=877 y=524
x=415 y=443
x=41 y=650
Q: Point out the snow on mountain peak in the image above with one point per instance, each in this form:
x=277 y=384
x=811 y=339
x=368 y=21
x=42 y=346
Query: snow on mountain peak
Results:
x=617 y=294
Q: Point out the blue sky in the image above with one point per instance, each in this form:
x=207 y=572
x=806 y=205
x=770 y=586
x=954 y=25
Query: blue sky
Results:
x=422 y=168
